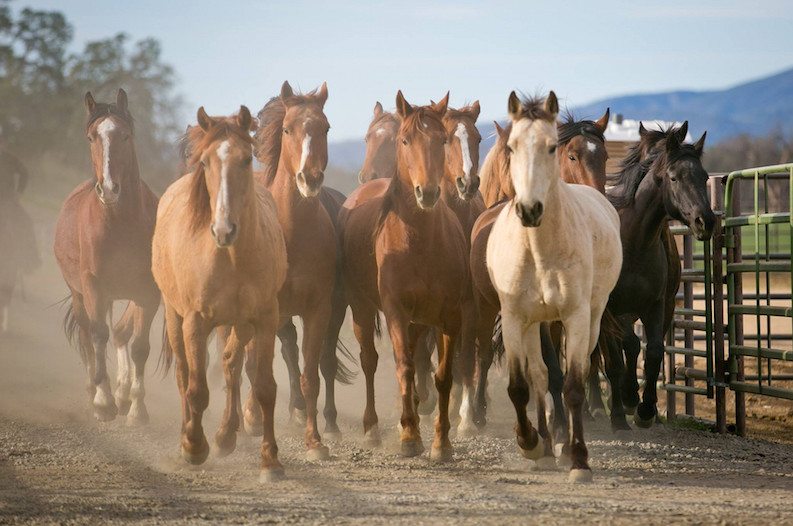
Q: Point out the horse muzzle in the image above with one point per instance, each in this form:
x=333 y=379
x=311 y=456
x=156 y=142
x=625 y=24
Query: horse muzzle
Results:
x=309 y=186
x=702 y=225
x=107 y=196
x=467 y=190
x=427 y=197
x=529 y=216
x=224 y=234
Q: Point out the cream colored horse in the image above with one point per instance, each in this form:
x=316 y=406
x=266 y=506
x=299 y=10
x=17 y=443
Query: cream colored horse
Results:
x=554 y=254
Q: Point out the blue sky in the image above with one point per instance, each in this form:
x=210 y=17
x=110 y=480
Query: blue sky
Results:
x=232 y=52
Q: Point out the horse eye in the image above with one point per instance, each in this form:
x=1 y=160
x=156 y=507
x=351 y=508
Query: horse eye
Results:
x=90 y=138
x=405 y=142
x=286 y=131
x=509 y=150
x=572 y=158
x=552 y=150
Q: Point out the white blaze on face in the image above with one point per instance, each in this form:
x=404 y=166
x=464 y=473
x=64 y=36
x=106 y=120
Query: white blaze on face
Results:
x=305 y=151
x=462 y=134
x=302 y=187
x=104 y=129
x=591 y=146
x=222 y=203
x=379 y=132
x=532 y=167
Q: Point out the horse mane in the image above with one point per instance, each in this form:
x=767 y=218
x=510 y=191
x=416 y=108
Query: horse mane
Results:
x=495 y=164
x=267 y=139
x=196 y=141
x=571 y=128
x=105 y=109
x=634 y=167
x=462 y=112
x=413 y=123
x=533 y=107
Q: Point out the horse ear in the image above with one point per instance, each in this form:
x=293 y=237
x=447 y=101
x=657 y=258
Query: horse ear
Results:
x=672 y=142
x=603 y=122
x=499 y=129
x=642 y=130
x=121 y=100
x=682 y=132
x=244 y=118
x=378 y=109
x=90 y=103
x=475 y=110
x=442 y=105
x=552 y=104
x=513 y=106
x=286 y=91
x=700 y=144
x=403 y=107
x=204 y=120
x=322 y=94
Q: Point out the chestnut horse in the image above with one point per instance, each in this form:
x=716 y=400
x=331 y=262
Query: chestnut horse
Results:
x=103 y=247
x=405 y=254
x=220 y=259
x=582 y=158
x=292 y=144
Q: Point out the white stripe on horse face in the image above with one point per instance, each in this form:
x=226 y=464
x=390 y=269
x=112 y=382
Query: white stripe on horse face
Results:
x=222 y=204
x=380 y=132
x=591 y=146
x=462 y=134
x=306 y=150
x=104 y=129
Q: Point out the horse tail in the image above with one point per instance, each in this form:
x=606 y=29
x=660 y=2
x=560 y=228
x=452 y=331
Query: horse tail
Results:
x=497 y=341
x=71 y=326
x=378 y=328
x=166 y=353
x=344 y=373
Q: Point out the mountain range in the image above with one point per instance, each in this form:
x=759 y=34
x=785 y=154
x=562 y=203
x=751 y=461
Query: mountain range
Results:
x=754 y=108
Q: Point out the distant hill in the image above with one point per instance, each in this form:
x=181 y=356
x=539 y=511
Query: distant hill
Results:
x=754 y=108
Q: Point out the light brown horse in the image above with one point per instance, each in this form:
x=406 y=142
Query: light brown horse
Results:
x=405 y=254
x=582 y=157
x=294 y=152
x=380 y=160
x=220 y=259
x=103 y=247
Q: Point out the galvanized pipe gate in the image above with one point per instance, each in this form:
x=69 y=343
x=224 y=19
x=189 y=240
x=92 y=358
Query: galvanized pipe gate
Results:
x=716 y=350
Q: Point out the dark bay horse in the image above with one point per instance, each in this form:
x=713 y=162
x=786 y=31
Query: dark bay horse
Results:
x=582 y=158
x=405 y=254
x=103 y=247
x=292 y=144
x=661 y=179
x=220 y=259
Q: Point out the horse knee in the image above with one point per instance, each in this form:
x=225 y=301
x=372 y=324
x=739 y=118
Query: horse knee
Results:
x=198 y=395
x=519 y=393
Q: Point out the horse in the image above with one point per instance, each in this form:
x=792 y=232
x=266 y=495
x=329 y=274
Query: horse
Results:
x=219 y=258
x=582 y=159
x=661 y=179
x=542 y=255
x=380 y=159
x=405 y=254
x=292 y=145
x=103 y=248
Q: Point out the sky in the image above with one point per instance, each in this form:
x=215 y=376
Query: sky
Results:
x=228 y=53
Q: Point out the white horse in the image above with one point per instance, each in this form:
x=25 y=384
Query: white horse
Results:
x=543 y=254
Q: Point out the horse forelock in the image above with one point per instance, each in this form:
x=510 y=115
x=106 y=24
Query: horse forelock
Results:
x=570 y=128
x=103 y=109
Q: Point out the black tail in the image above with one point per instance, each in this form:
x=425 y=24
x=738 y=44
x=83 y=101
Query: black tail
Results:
x=497 y=341
x=166 y=353
x=72 y=328
x=378 y=329
x=344 y=373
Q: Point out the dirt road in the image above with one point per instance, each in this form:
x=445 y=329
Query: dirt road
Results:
x=59 y=466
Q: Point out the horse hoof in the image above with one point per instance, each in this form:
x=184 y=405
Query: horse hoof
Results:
x=317 y=454
x=545 y=464
x=644 y=423
x=105 y=414
x=558 y=449
x=412 y=448
x=332 y=436
x=534 y=453
x=371 y=439
x=629 y=409
x=298 y=417
x=620 y=424
x=270 y=475
x=580 y=476
x=138 y=416
x=195 y=457
x=441 y=454
x=123 y=407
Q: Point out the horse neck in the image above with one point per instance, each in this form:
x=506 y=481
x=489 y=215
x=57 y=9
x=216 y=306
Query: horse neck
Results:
x=285 y=191
x=130 y=201
x=554 y=217
x=407 y=209
x=644 y=219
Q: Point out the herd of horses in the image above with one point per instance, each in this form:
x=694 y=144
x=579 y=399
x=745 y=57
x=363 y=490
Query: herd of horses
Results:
x=542 y=263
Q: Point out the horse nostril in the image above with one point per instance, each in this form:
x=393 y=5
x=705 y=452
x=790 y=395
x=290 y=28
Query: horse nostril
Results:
x=419 y=192
x=99 y=189
x=115 y=188
x=233 y=230
x=212 y=231
x=519 y=210
x=537 y=210
x=460 y=184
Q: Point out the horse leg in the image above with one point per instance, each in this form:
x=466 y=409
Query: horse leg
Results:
x=85 y=345
x=173 y=331
x=122 y=332
x=195 y=447
x=555 y=381
x=581 y=333
x=516 y=337
x=424 y=384
x=466 y=368
x=630 y=383
x=329 y=364
x=654 y=358
x=594 y=393
x=97 y=307
x=140 y=346
x=233 y=352
x=264 y=387
x=287 y=334
x=364 y=323
x=315 y=326
x=615 y=372
x=441 y=446
x=485 y=356
x=539 y=375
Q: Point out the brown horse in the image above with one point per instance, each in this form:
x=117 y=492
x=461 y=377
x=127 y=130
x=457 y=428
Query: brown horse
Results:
x=219 y=257
x=103 y=247
x=405 y=254
x=582 y=157
x=292 y=144
x=380 y=160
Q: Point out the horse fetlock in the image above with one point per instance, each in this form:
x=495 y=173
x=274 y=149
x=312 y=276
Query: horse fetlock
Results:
x=138 y=415
x=195 y=451
x=372 y=437
x=411 y=447
x=442 y=451
x=318 y=453
x=645 y=415
x=531 y=452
